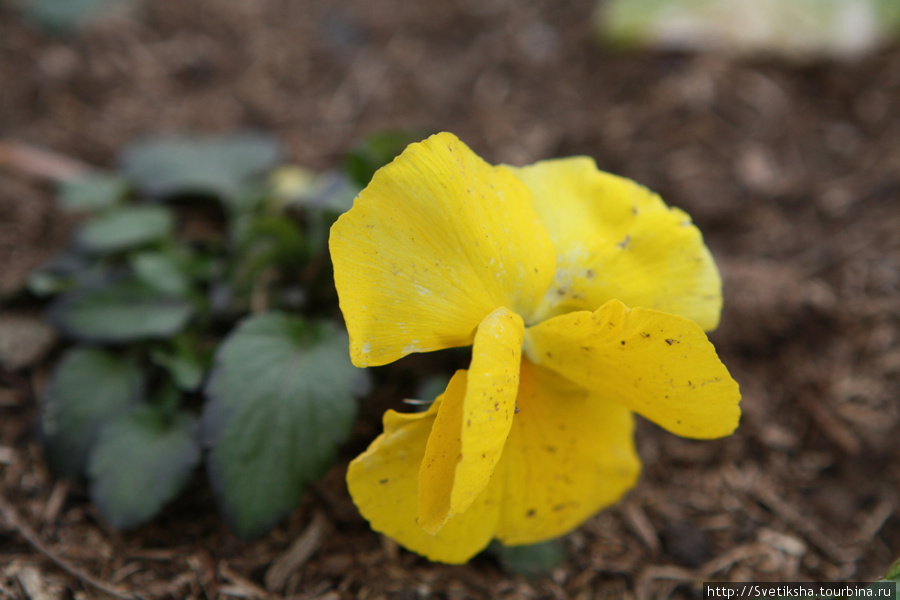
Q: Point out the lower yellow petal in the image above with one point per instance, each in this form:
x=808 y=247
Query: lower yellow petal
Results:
x=473 y=422
x=437 y=240
x=569 y=455
x=617 y=239
x=384 y=482
x=660 y=366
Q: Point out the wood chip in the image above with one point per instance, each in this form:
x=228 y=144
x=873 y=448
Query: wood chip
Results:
x=804 y=526
x=7 y=455
x=240 y=587
x=875 y=520
x=24 y=340
x=637 y=520
x=734 y=556
x=782 y=542
x=297 y=555
x=55 y=501
x=830 y=425
x=34 y=584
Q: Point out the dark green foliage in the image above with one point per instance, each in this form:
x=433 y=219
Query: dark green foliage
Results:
x=122 y=310
x=531 y=561
x=140 y=461
x=125 y=227
x=280 y=400
x=215 y=166
x=281 y=397
x=95 y=191
x=89 y=387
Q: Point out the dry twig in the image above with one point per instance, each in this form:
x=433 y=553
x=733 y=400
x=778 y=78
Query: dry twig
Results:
x=40 y=163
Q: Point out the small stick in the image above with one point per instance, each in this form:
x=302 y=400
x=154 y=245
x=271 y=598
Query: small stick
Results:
x=41 y=163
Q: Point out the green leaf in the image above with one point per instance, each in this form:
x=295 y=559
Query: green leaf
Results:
x=121 y=310
x=161 y=272
x=893 y=576
x=893 y=573
x=278 y=234
x=125 y=227
x=141 y=461
x=183 y=165
x=280 y=400
x=531 y=561
x=89 y=386
x=183 y=360
x=376 y=151
x=264 y=242
x=92 y=192
x=65 y=271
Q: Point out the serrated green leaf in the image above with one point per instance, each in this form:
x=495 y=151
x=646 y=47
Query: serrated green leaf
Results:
x=182 y=165
x=122 y=310
x=161 y=272
x=92 y=192
x=280 y=400
x=89 y=386
x=140 y=461
x=125 y=227
x=531 y=561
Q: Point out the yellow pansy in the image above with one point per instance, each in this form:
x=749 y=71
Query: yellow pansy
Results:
x=585 y=300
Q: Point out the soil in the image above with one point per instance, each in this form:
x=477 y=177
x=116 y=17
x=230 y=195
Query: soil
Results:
x=792 y=173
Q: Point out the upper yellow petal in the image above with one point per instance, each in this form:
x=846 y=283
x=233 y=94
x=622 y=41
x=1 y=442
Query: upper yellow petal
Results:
x=473 y=422
x=660 y=366
x=617 y=239
x=437 y=241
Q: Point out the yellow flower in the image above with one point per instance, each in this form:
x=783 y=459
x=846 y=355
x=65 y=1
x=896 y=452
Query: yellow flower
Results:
x=585 y=299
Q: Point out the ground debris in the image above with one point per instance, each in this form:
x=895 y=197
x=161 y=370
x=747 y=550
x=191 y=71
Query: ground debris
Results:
x=790 y=173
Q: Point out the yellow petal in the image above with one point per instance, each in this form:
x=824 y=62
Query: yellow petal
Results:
x=660 y=366
x=569 y=455
x=436 y=242
x=384 y=482
x=473 y=422
x=617 y=239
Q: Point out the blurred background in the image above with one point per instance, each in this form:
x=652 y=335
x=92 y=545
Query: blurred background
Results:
x=782 y=142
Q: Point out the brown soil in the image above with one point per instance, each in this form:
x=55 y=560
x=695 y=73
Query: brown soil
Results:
x=793 y=174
